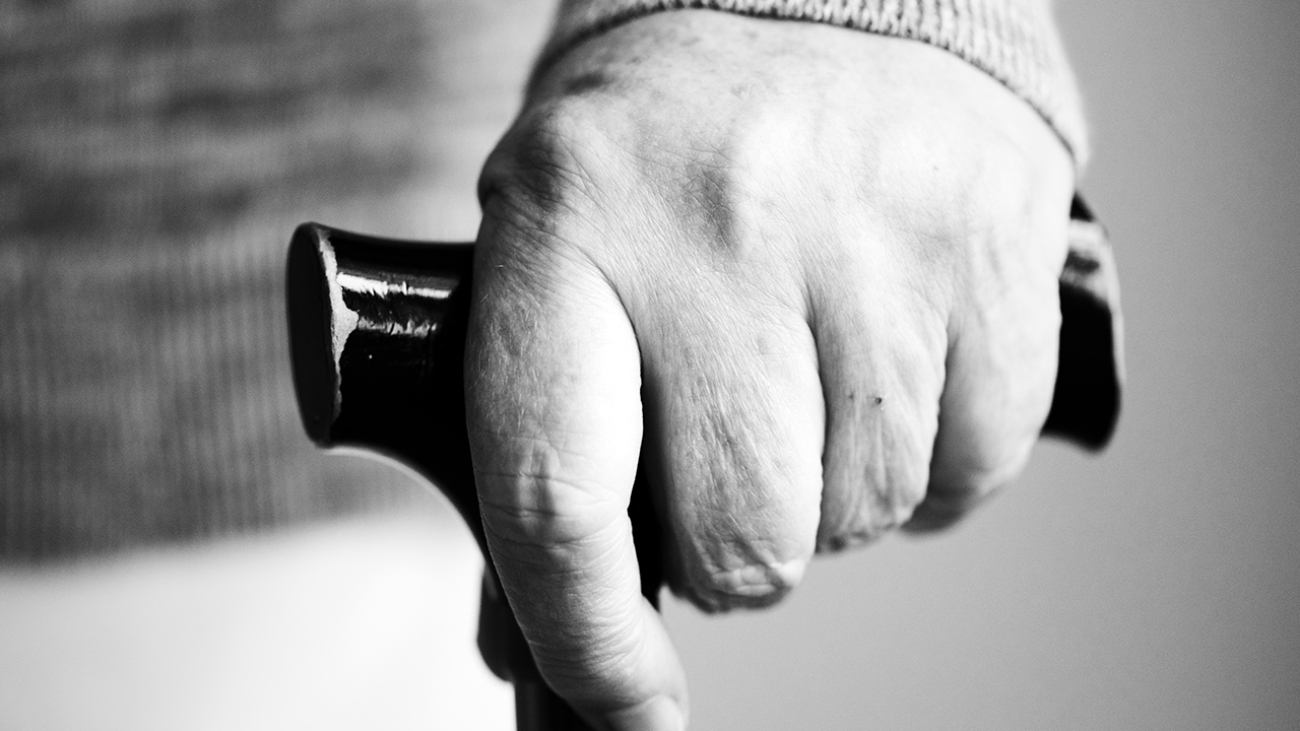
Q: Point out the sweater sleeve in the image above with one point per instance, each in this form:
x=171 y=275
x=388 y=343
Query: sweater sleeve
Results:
x=1014 y=41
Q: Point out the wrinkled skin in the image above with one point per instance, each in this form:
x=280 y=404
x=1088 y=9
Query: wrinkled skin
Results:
x=814 y=269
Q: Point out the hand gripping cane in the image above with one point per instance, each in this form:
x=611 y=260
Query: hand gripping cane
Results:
x=377 y=334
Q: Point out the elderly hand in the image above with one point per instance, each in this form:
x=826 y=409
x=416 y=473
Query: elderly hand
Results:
x=815 y=270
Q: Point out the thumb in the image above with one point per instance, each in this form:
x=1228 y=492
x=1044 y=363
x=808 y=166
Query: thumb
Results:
x=554 y=412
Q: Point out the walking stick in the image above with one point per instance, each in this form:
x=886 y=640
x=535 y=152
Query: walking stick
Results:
x=377 y=336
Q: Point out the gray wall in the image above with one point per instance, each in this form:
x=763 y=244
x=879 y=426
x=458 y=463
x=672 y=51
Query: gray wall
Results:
x=1155 y=586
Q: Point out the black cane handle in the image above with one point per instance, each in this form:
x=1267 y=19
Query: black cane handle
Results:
x=377 y=331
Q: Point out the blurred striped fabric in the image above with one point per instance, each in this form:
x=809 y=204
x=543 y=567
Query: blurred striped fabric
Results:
x=154 y=157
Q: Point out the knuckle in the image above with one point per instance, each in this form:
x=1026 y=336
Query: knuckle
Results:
x=742 y=500
x=881 y=499
x=989 y=467
x=534 y=504
x=897 y=484
x=552 y=160
x=745 y=584
x=959 y=490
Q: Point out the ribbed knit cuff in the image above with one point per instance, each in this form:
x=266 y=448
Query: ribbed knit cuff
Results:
x=1014 y=41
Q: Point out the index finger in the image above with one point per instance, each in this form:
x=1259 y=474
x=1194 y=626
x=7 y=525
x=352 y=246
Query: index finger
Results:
x=554 y=412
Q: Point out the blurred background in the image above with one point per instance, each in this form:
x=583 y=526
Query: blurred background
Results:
x=1153 y=586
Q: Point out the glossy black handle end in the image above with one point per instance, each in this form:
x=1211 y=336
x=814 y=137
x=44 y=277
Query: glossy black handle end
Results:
x=377 y=340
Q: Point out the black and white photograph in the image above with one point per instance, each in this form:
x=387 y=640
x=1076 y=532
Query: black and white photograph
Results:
x=645 y=365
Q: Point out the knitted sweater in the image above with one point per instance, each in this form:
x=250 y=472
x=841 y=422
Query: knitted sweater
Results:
x=155 y=156
x=1015 y=41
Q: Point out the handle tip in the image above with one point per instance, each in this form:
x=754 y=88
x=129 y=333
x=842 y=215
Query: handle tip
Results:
x=311 y=341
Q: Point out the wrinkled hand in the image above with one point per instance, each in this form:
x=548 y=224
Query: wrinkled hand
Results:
x=815 y=269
